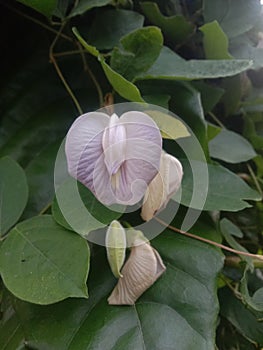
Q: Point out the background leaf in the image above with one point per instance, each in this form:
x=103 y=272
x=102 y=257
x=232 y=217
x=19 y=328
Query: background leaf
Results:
x=109 y=26
x=45 y=7
x=226 y=191
x=171 y=66
x=244 y=320
x=40 y=175
x=215 y=41
x=234 y=17
x=138 y=51
x=43 y=263
x=11 y=331
x=231 y=147
x=86 y=5
x=13 y=193
x=176 y=28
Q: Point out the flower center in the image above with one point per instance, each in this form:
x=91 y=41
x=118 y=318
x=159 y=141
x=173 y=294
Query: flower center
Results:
x=114 y=145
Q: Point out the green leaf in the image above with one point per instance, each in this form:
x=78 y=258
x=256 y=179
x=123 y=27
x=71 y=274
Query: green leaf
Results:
x=45 y=7
x=235 y=17
x=229 y=230
x=171 y=128
x=40 y=176
x=180 y=308
x=253 y=129
x=175 y=28
x=254 y=302
x=13 y=193
x=122 y=86
x=231 y=147
x=215 y=41
x=161 y=100
x=171 y=66
x=246 y=322
x=43 y=263
x=81 y=214
x=109 y=26
x=86 y=5
x=137 y=53
x=11 y=330
x=210 y=94
x=226 y=190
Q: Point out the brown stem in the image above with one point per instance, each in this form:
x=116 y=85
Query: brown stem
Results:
x=90 y=73
x=188 y=234
x=61 y=76
x=43 y=25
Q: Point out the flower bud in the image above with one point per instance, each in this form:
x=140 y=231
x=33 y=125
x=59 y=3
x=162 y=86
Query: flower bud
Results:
x=141 y=270
x=162 y=187
x=116 y=247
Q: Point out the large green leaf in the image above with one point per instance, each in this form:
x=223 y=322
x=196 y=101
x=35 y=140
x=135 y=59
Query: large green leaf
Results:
x=215 y=41
x=171 y=66
x=109 y=26
x=175 y=28
x=180 y=310
x=43 y=263
x=226 y=190
x=137 y=53
x=86 y=5
x=45 y=7
x=231 y=147
x=81 y=214
x=13 y=193
x=235 y=17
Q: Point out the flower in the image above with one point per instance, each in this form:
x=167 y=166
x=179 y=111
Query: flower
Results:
x=141 y=270
x=162 y=187
x=116 y=158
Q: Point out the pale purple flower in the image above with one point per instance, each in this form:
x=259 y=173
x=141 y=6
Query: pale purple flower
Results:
x=116 y=158
x=162 y=187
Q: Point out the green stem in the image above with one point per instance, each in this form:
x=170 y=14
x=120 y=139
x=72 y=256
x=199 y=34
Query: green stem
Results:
x=216 y=120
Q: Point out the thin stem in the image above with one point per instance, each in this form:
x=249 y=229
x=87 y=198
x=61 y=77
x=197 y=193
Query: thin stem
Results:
x=66 y=85
x=90 y=73
x=188 y=234
x=216 y=120
x=234 y=289
x=45 y=209
x=68 y=53
x=252 y=174
x=43 y=25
